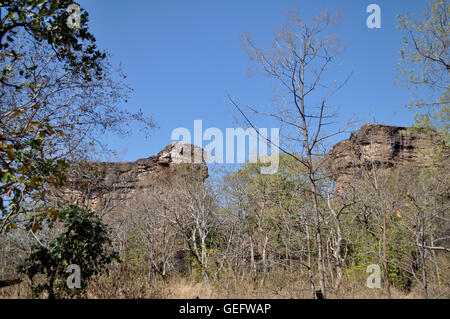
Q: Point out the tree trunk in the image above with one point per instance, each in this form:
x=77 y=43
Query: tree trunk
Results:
x=310 y=274
x=51 y=293
x=320 y=263
x=264 y=260
x=423 y=251
x=252 y=258
x=386 y=273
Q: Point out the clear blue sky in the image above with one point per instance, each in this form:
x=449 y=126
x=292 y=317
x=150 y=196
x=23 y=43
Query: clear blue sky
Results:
x=182 y=57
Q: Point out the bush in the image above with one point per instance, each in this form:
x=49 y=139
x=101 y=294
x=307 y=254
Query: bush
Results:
x=83 y=242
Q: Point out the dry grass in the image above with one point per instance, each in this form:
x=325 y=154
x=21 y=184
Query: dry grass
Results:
x=126 y=282
x=184 y=288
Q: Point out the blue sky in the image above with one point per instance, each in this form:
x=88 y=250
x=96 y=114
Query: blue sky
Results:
x=182 y=57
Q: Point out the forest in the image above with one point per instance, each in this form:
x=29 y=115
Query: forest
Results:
x=368 y=217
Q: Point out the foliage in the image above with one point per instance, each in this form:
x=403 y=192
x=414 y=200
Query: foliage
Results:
x=58 y=94
x=425 y=63
x=83 y=242
x=416 y=204
x=46 y=20
x=25 y=172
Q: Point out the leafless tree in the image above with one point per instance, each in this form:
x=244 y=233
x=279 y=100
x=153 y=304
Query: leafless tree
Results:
x=301 y=55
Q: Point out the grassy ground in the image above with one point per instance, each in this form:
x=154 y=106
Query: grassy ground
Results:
x=187 y=288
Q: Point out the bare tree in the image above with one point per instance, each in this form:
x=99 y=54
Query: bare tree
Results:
x=193 y=213
x=301 y=55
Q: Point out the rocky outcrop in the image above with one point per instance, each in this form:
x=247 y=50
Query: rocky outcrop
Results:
x=380 y=146
x=126 y=194
x=91 y=184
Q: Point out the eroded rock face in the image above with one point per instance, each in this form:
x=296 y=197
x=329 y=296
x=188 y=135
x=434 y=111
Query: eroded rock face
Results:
x=91 y=184
x=124 y=193
x=379 y=146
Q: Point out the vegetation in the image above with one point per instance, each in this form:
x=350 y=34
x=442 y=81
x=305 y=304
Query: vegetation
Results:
x=57 y=96
x=425 y=63
x=292 y=234
x=83 y=242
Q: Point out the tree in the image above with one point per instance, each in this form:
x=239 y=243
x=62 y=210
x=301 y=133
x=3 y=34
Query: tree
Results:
x=46 y=21
x=193 y=214
x=426 y=213
x=272 y=213
x=301 y=55
x=83 y=242
x=398 y=218
x=425 y=63
x=152 y=239
x=59 y=94
x=25 y=174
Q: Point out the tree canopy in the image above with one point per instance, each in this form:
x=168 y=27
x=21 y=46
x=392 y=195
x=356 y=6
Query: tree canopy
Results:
x=425 y=63
x=58 y=94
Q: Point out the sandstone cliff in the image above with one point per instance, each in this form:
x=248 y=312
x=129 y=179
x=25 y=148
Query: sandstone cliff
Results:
x=94 y=184
x=379 y=146
x=99 y=183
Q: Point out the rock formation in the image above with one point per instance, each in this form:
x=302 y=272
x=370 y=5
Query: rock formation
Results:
x=117 y=190
x=109 y=186
x=379 y=146
x=94 y=184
